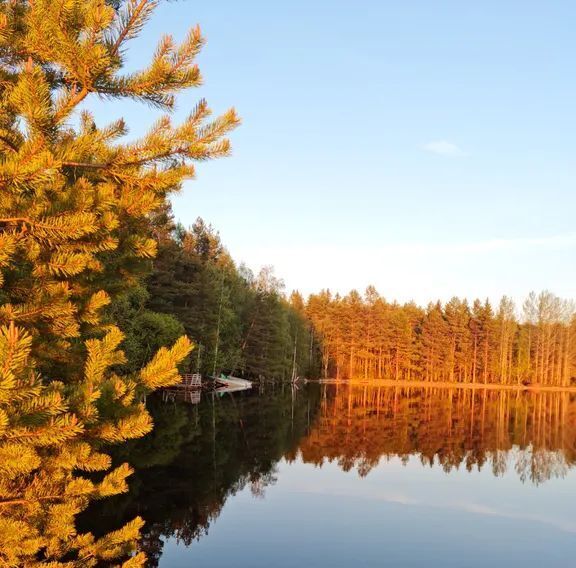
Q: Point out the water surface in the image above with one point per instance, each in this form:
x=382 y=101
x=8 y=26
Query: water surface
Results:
x=337 y=475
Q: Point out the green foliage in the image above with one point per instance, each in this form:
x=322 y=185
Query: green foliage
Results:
x=240 y=323
x=145 y=331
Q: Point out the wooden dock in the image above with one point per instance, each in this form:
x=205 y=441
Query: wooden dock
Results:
x=188 y=390
x=193 y=381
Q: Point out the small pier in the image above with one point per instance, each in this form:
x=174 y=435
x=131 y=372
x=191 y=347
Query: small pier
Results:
x=188 y=390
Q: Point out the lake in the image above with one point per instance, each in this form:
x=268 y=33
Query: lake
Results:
x=343 y=475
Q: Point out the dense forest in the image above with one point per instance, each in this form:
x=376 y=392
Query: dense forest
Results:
x=244 y=323
x=238 y=321
x=368 y=337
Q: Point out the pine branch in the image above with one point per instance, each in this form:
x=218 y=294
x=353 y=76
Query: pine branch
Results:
x=9 y=220
x=76 y=209
x=9 y=143
x=25 y=501
x=76 y=99
x=87 y=165
x=133 y=19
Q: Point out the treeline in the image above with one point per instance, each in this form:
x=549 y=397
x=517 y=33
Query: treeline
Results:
x=239 y=321
x=367 y=337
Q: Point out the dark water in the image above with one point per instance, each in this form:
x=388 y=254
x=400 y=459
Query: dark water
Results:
x=330 y=476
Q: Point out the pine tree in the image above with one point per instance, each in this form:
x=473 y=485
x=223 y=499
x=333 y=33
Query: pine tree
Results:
x=195 y=280
x=268 y=344
x=75 y=204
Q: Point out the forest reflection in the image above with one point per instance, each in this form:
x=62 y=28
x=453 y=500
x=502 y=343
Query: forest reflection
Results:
x=198 y=456
x=533 y=432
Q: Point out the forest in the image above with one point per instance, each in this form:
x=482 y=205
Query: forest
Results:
x=244 y=323
x=367 y=337
x=238 y=321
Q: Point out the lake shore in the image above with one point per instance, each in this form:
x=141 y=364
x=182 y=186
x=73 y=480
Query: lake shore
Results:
x=447 y=385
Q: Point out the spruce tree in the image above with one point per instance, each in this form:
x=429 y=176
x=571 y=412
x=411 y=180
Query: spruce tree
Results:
x=75 y=199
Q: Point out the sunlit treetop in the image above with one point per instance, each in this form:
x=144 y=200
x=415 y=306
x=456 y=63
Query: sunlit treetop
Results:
x=73 y=197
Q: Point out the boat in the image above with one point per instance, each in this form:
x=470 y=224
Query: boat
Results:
x=225 y=390
x=233 y=383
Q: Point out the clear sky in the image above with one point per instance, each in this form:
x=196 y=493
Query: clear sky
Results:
x=428 y=148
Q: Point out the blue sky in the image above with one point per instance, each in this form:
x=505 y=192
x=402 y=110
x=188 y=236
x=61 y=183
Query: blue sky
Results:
x=426 y=147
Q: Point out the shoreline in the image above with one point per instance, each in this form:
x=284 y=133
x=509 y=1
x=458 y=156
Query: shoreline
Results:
x=445 y=385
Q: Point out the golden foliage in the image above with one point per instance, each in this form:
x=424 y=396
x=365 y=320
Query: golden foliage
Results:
x=162 y=370
x=74 y=209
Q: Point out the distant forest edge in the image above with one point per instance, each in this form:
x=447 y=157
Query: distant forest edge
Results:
x=245 y=323
x=370 y=338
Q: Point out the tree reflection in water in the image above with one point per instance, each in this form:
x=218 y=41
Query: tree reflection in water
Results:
x=360 y=425
x=198 y=456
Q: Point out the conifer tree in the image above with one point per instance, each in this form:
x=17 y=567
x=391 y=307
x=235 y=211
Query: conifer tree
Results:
x=75 y=199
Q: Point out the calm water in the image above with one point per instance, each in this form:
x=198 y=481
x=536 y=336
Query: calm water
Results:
x=357 y=476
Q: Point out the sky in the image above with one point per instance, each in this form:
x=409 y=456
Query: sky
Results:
x=427 y=148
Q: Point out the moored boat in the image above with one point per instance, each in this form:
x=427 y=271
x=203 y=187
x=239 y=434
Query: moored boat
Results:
x=234 y=382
